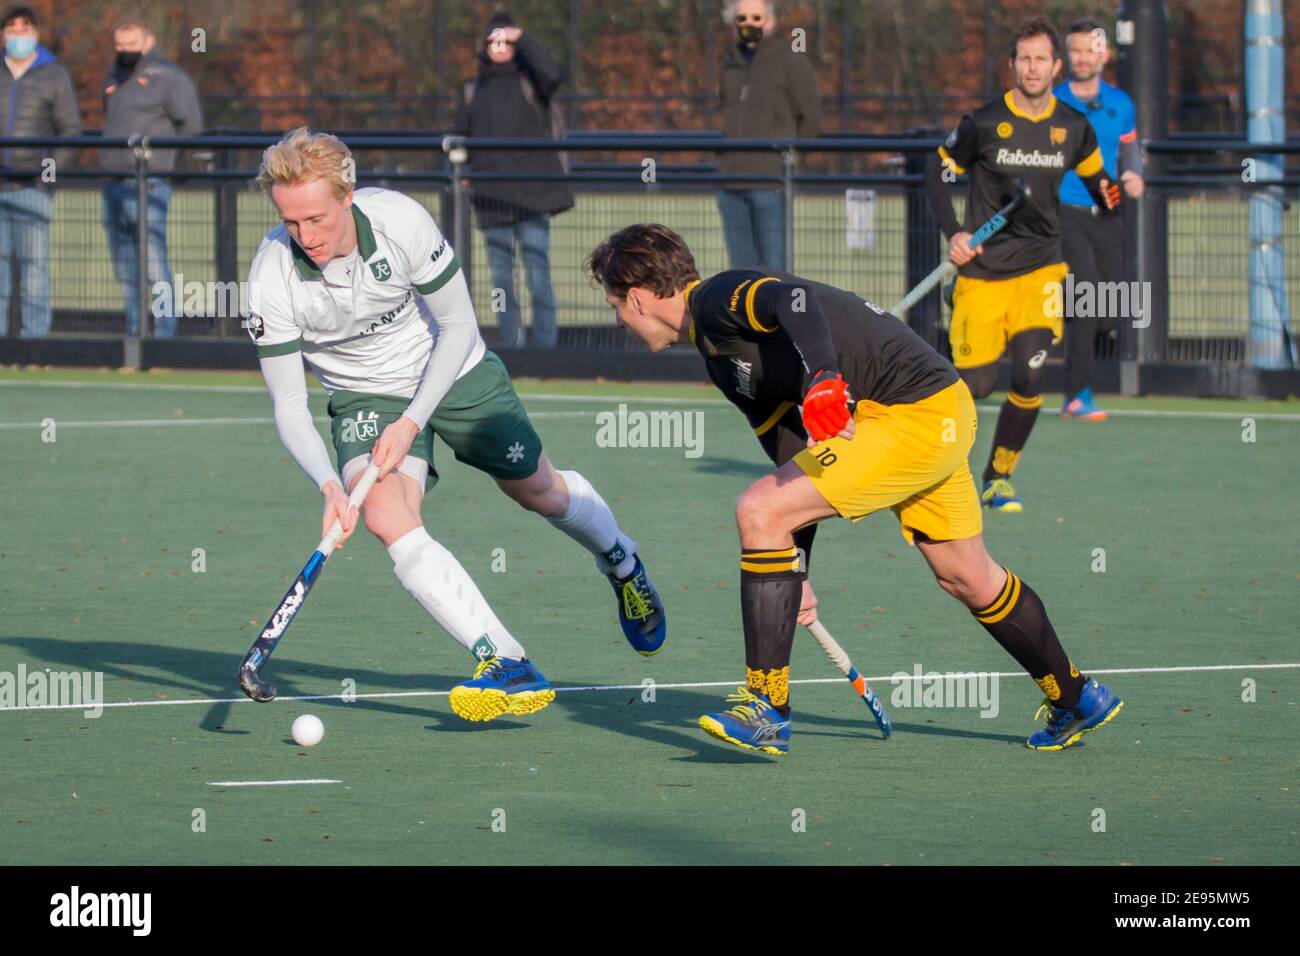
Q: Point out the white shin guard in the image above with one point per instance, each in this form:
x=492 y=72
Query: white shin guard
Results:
x=437 y=581
x=590 y=522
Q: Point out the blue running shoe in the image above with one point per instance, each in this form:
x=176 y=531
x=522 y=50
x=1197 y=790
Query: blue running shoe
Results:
x=1082 y=406
x=1065 y=725
x=501 y=685
x=1001 y=496
x=640 y=611
x=753 y=723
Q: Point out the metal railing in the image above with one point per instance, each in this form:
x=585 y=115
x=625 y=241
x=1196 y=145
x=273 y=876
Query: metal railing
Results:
x=854 y=214
x=335 y=109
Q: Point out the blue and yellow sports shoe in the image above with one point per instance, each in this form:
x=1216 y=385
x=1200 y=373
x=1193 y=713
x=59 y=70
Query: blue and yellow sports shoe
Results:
x=753 y=723
x=640 y=611
x=1000 y=496
x=501 y=685
x=1065 y=725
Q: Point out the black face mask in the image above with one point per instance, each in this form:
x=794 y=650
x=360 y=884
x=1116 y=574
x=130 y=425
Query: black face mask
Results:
x=127 y=61
x=749 y=36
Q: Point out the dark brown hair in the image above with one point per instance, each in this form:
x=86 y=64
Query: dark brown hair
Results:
x=1085 y=25
x=20 y=13
x=646 y=255
x=1036 y=27
x=132 y=19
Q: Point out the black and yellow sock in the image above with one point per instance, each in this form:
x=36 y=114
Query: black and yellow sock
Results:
x=771 y=585
x=1018 y=621
x=1015 y=422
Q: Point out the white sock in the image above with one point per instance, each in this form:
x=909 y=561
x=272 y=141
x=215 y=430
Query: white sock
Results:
x=589 y=522
x=435 y=578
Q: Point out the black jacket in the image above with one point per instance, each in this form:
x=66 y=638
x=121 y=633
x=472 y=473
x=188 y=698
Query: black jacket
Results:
x=40 y=103
x=514 y=100
x=772 y=95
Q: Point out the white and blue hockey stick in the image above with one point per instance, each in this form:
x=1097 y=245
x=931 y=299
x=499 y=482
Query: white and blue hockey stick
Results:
x=996 y=223
x=250 y=680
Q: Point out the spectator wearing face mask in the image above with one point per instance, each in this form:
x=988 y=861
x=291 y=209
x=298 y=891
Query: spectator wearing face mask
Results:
x=769 y=91
x=36 y=99
x=150 y=96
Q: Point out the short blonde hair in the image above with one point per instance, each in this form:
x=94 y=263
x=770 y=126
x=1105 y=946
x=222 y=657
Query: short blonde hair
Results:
x=302 y=155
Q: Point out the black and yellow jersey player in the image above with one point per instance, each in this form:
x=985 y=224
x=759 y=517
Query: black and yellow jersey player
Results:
x=858 y=414
x=1008 y=290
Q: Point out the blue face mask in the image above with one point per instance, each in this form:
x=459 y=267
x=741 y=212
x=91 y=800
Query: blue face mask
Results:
x=20 y=48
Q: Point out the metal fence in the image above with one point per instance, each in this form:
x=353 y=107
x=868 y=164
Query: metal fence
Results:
x=856 y=217
x=842 y=111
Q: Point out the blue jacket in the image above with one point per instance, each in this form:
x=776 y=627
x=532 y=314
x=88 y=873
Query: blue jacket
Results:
x=39 y=103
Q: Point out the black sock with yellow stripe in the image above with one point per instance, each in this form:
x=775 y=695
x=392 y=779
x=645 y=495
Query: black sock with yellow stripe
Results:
x=771 y=585
x=1015 y=422
x=1018 y=621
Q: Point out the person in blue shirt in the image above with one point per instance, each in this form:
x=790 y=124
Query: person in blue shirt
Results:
x=36 y=100
x=1092 y=244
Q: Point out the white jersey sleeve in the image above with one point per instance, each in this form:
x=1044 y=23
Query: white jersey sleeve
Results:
x=435 y=272
x=288 y=387
x=458 y=340
x=271 y=322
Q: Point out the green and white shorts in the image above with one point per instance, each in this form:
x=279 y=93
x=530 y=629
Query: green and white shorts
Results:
x=481 y=419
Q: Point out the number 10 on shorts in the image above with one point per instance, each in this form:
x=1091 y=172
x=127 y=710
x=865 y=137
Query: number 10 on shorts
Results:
x=825 y=457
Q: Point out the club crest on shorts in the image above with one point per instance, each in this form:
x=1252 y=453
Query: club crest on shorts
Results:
x=381 y=270
x=365 y=427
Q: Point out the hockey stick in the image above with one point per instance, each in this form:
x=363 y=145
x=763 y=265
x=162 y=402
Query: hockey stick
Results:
x=945 y=269
x=250 y=680
x=841 y=660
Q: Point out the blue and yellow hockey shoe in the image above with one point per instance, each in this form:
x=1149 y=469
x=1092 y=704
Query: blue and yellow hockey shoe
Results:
x=999 y=495
x=753 y=723
x=501 y=685
x=1065 y=725
x=640 y=611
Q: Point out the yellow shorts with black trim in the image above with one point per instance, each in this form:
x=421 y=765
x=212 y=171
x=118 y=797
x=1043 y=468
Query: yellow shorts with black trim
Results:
x=987 y=313
x=910 y=458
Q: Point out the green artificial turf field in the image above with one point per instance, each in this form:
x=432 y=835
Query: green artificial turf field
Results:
x=1195 y=609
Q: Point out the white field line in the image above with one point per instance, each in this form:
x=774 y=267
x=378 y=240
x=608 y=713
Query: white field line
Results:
x=386 y=695
x=606 y=400
x=264 y=783
x=140 y=386
x=162 y=422
x=145 y=422
x=982 y=409
x=1176 y=413
x=261 y=390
